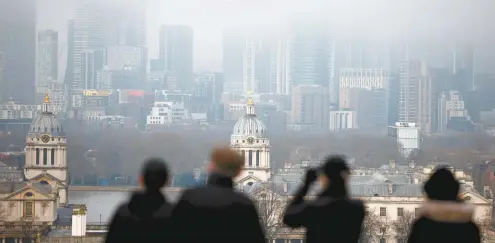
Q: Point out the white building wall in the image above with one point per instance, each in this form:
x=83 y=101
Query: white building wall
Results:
x=167 y=113
x=282 y=67
x=450 y=105
x=342 y=120
x=363 y=78
x=410 y=204
x=57 y=170
x=44 y=210
x=16 y=111
x=261 y=172
x=408 y=137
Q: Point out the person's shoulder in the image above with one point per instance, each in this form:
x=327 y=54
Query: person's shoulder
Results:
x=423 y=222
x=189 y=193
x=242 y=198
x=123 y=210
x=356 y=203
x=473 y=227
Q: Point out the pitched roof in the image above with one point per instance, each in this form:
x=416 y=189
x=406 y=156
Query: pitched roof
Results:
x=11 y=187
x=48 y=175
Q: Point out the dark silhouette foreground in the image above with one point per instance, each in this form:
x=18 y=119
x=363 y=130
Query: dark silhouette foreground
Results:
x=444 y=218
x=332 y=216
x=217 y=213
x=145 y=218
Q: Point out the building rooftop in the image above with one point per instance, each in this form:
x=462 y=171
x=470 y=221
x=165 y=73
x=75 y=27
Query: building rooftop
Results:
x=10 y=187
x=356 y=190
x=10 y=173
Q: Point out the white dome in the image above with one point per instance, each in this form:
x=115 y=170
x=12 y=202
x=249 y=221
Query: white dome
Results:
x=46 y=122
x=249 y=125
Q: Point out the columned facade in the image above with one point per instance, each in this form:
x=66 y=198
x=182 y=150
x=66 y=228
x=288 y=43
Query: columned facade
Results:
x=249 y=139
x=46 y=153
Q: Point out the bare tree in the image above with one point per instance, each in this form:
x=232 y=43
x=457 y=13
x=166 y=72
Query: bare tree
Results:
x=270 y=210
x=3 y=212
x=403 y=225
x=374 y=227
x=485 y=225
x=28 y=228
x=3 y=215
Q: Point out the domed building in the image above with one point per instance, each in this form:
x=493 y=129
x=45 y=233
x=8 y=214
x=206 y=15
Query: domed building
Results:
x=249 y=138
x=46 y=153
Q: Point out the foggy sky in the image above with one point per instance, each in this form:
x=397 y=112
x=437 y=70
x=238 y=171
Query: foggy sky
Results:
x=417 y=20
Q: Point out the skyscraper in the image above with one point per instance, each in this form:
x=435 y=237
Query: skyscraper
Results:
x=89 y=34
x=18 y=50
x=310 y=106
x=415 y=95
x=312 y=57
x=176 y=54
x=233 y=46
x=280 y=67
x=126 y=23
x=102 y=23
x=47 y=62
x=69 y=70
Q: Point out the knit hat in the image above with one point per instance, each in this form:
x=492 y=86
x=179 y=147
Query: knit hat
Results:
x=333 y=166
x=442 y=185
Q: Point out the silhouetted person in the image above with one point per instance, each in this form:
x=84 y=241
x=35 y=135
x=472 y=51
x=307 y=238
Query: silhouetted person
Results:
x=332 y=216
x=145 y=217
x=443 y=216
x=217 y=213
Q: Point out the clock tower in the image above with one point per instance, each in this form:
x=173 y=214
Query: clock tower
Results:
x=250 y=140
x=46 y=153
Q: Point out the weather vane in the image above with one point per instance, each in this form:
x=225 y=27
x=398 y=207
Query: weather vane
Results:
x=47 y=98
x=250 y=99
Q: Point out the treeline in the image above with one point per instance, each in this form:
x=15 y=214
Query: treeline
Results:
x=121 y=152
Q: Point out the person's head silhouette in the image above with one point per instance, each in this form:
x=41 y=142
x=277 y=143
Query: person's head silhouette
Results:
x=154 y=174
x=442 y=186
x=334 y=175
x=226 y=161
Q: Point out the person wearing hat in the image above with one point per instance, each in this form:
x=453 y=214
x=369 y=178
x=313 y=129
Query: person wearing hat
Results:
x=145 y=217
x=332 y=216
x=444 y=217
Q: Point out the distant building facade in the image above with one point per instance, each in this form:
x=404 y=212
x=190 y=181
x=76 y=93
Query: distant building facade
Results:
x=250 y=140
x=451 y=105
x=176 y=54
x=310 y=106
x=47 y=63
x=30 y=203
x=342 y=121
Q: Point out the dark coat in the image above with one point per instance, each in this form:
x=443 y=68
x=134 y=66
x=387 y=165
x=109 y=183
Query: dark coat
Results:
x=326 y=219
x=145 y=218
x=444 y=221
x=216 y=213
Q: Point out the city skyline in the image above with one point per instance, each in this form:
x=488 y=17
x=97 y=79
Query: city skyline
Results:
x=208 y=22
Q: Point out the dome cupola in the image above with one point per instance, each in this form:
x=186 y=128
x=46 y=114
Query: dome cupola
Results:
x=249 y=124
x=46 y=122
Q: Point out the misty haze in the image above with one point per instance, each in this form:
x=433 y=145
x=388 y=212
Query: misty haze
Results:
x=89 y=89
